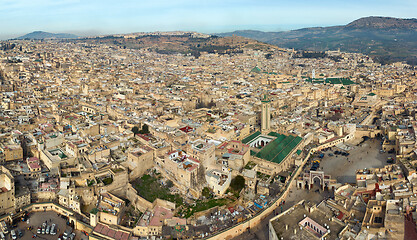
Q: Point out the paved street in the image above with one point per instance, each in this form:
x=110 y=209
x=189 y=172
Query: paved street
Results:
x=343 y=168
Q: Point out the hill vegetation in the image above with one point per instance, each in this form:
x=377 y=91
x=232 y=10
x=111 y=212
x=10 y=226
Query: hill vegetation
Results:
x=46 y=35
x=181 y=44
x=385 y=39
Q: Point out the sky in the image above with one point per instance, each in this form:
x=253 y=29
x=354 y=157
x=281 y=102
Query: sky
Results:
x=99 y=17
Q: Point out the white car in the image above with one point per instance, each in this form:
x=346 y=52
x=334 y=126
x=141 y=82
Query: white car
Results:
x=13 y=234
x=53 y=229
x=66 y=234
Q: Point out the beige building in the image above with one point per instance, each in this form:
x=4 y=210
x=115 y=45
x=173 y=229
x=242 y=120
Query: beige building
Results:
x=233 y=154
x=139 y=160
x=22 y=198
x=7 y=191
x=182 y=170
x=110 y=208
x=203 y=151
x=12 y=152
x=218 y=180
x=54 y=157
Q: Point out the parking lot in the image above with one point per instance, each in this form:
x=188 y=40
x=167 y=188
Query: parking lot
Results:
x=37 y=218
x=365 y=155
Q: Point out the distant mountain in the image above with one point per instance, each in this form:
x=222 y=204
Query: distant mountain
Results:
x=46 y=35
x=179 y=43
x=386 y=39
x=383 y=23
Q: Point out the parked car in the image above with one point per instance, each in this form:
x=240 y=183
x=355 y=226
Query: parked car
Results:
x=72 y=236
x=19 y=233
x=53 y=229
x=47 y=229
x=67 y=233
x=331 y=154
x=13 y=234
x=39 y=230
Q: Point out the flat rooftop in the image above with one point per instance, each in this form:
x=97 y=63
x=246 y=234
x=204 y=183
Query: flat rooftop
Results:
x=298 y=213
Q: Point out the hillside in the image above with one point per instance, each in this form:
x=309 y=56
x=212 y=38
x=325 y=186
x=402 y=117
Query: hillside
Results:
x=46 y=35
x=385 y=39
x=180 y=42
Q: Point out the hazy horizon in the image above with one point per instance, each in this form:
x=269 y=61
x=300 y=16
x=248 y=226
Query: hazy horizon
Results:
x=19 y=17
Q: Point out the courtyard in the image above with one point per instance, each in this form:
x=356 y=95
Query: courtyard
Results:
x=364 y=155
x=37 y=218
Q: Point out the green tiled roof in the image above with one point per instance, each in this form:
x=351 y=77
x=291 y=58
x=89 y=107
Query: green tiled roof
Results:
x=94 y=211
x=274 y=134
x=251 y=137
x=256 y=70
x=279 y=148
x=299 y=152
x=344 y=81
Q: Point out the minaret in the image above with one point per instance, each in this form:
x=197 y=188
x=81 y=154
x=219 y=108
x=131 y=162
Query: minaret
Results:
x=265 y=115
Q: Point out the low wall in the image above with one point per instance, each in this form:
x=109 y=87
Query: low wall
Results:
x=48 y=206
x=163 y=203
x=83 y=227
x=371 y=133
x=139 y=202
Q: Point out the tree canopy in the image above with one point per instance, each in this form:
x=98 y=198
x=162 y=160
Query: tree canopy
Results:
x=237 y=183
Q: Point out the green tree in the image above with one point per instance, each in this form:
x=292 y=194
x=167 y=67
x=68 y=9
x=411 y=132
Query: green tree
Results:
x=206 y=192
x=170 y=184
x=135 y=130
x=145 y=129
x=237 y=183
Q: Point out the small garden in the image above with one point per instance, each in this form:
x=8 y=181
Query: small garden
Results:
x=250 y=165
x=105 y=180
x=262 y=176
x=201 y=205
x=150 y=188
